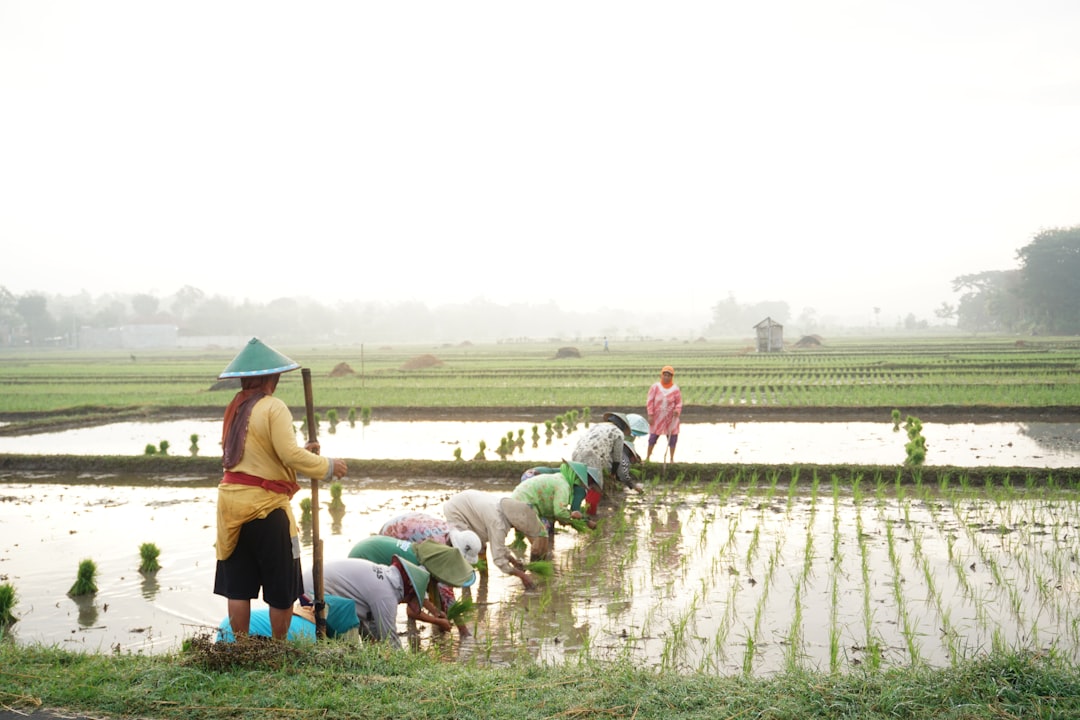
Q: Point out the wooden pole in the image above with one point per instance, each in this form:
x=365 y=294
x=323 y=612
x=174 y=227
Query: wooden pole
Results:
x=316 y=541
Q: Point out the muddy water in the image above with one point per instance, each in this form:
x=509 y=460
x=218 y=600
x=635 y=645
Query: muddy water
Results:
x=735 y=576
x=960 y=445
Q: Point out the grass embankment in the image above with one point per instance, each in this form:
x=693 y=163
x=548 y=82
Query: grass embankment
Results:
x=373 y=682
x=177 y=470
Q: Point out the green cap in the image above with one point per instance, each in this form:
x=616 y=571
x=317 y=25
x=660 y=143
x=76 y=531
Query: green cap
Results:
x=257 y=358
x=418 y=577
x=445 y=563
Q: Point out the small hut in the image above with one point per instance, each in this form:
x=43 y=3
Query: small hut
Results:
x=770 y=336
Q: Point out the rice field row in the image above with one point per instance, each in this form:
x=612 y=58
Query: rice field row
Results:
x=743 y=575
x=1034 y=373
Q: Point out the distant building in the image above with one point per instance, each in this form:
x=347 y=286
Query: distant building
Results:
x=770 y=336
x=128 y=337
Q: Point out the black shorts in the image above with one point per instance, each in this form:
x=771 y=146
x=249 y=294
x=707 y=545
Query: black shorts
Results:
x=263 y=558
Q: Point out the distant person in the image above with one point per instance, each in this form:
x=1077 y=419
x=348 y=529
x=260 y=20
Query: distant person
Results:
x=609 y=446
x=258 y=544
x=376 y=591
x=664 y=406
x=605 y=345
x=492 y=518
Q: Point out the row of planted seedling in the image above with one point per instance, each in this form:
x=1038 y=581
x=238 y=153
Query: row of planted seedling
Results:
x=510 y=443
x=742 y=573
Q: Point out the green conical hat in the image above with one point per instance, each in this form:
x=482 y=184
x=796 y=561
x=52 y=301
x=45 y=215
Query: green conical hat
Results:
x=257 y=358
x=445 y=563
x=418 y=577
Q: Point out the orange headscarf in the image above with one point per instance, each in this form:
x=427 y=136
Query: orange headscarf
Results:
x=667 y=369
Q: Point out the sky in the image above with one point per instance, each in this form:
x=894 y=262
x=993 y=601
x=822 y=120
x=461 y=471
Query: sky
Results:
x=837 y=155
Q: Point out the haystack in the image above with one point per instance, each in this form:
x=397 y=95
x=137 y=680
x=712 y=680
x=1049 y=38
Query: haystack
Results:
x=567 y=352
x=809 y=341
x=422 y=361
x=341 y=370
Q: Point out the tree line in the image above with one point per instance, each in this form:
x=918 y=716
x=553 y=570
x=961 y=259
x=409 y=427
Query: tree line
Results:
x=1042 y=296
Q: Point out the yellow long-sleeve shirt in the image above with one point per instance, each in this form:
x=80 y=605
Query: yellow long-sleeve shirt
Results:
x=271 y=453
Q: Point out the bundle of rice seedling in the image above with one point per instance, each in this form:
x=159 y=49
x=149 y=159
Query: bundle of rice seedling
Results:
x=543 y=568
x=518 y=545
x=580 y=525
x=460 y=611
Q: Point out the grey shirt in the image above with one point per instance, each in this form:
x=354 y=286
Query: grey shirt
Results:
x=377 y=590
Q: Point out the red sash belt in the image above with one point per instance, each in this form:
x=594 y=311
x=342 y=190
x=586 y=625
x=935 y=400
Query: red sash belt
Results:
x=278 y=486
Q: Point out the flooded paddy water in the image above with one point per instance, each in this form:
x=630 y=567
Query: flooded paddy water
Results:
x=728 y=574
x=1003 y=444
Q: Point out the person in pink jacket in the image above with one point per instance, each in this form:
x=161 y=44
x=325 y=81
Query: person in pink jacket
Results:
x=664 y=406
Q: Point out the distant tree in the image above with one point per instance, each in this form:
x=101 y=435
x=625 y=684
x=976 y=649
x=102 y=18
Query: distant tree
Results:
x=34 y=310
x=731 y=318
x=945 y=312
x=913 y=323
x=725 y=318
x=10 y=320
x=145 y=306
x=991 y=301
x=109 y=315
x=186 y=300
x=1050 y=281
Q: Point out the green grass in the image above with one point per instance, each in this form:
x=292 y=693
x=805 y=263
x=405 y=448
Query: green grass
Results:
x=373 y=682
x=894 y=374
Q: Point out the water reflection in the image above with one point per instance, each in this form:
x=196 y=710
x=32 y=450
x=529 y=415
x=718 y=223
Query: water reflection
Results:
x=150 y=586
x=88 y=610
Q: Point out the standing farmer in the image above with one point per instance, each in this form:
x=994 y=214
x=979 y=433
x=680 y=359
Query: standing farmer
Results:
x=664 y=406
x=258 y=546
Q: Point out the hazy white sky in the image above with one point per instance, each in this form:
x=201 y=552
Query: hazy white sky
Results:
x=840 y=155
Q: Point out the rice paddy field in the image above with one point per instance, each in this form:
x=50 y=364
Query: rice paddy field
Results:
x=727 y=569
x=714 y=376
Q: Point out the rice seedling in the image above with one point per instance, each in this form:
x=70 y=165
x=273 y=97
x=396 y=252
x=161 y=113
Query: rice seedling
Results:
x=85 y=580
x=8 y=599
x=541 y=568
x=337 y=505
x=148 y=554
x=461 y=611
x=194 y=447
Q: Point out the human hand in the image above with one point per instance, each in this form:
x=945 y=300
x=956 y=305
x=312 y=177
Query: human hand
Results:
x=340 y=468
x=576 y=515
x=313 y=446
x=527 y=581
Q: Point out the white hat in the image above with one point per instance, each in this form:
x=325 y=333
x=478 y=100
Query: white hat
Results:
x=468 y=544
